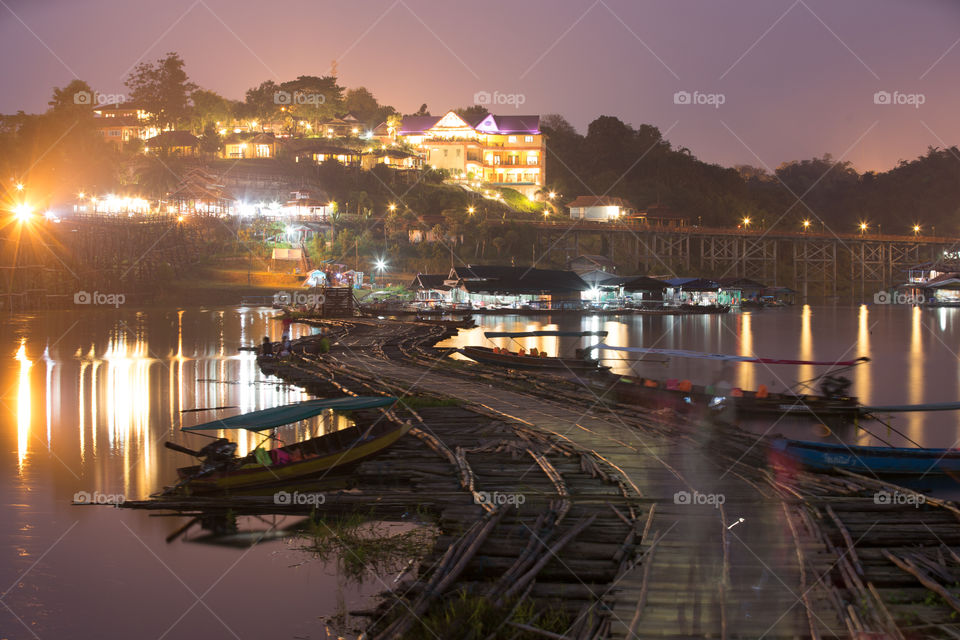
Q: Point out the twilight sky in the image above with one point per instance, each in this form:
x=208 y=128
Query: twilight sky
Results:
x=796 y=78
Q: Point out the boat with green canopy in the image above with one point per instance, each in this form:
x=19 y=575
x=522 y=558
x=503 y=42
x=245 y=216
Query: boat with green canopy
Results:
x=220 y=468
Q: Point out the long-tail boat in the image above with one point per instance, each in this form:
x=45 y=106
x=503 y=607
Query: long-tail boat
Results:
x=833 y=401
x=220 y=469
x=520 y=359
x=881 y=461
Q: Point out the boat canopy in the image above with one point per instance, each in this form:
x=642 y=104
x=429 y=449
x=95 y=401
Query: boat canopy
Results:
x=680 y=353
x=538 y=334
x=287 y=414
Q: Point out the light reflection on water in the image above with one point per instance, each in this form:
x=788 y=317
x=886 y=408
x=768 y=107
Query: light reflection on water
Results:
x=129 y=398
x=87 y=400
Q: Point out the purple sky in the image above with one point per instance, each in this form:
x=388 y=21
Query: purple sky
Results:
x=797 y=77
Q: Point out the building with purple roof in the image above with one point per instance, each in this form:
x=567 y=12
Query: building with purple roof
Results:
x=498 y=151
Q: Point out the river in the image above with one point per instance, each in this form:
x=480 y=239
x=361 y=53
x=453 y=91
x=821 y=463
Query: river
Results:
x=88 y=398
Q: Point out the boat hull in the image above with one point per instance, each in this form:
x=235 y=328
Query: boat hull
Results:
x=885 y=461
x=698 y=400
x=487 y=356
x=338 y=450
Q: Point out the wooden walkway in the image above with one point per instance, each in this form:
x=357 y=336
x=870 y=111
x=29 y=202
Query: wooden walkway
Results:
x=702 y=572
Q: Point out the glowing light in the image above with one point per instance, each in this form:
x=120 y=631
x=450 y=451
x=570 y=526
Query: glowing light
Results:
x=23 y=212
x=863 y=226
x=552 y=195
x=81 y=195
x=392 y=207
x=806 y=224
x=381 y=264
x=179 y=218
x=19 y=186
x=746 y=221
x=470 y=210
x=916 y=229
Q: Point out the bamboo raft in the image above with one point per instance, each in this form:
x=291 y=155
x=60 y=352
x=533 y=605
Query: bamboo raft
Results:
x=603 y=537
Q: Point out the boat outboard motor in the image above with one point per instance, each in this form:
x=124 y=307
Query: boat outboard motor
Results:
x=835 y=386
x=218 y=454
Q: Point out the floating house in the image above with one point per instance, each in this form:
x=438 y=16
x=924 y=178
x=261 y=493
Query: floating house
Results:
x=430 y=288
x=699 y=291
x=514 y=287
x=607 y=287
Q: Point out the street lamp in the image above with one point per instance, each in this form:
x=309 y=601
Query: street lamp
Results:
x=19 y=186
x=470 y=210
x=863 y=228
x=552 y=195
x=22 y=212
x=746 y=221
x=806 y=225
x=380 y=266
x=392 y=207
x=916 y=229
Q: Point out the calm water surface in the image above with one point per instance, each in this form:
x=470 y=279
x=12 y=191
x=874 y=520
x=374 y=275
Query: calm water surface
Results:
x=88 y=398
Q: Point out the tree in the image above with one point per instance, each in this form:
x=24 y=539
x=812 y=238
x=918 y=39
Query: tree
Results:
x=423 y=111
x=162 y=88
x=262 y=102
x=210 y=107
x=311 y=98
x=361 y=103
x=210 y=140
x=75 y=97
x=473 y=113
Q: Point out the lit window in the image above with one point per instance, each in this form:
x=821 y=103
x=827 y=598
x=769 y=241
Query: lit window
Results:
x=528 y=138
x=511 y=138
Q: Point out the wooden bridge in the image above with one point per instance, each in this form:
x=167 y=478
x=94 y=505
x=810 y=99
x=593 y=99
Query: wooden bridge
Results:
x=817 y=264
x=44 y=263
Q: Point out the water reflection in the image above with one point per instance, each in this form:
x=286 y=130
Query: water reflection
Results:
x=23 y=404
x=863 y=379
x=747 y=370
x=127 y=390
x=915 y=371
